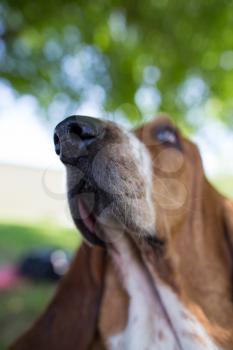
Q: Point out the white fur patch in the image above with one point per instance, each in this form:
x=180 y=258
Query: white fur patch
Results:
x=189 y=330
x=150 y=326
x=144 y=165
x=112 y=173
x=142 y=331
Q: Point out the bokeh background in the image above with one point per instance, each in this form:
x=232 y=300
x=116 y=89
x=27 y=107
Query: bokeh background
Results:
x=121 y=60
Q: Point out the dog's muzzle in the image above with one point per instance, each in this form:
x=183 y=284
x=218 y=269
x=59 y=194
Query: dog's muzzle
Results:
x=109 y=178
x=75 y=138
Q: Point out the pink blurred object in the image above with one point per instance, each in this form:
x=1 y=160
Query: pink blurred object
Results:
x=9 y=277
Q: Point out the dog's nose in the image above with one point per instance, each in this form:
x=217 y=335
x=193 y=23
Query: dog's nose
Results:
x=75 y=134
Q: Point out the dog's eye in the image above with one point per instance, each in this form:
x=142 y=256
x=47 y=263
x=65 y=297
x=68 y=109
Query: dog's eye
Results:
x=167 y=134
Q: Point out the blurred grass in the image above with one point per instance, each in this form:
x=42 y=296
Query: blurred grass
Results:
x=20 y=306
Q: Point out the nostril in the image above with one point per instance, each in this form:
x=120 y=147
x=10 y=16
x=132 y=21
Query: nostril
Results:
x=84 y=131
x=75 y=129
x=57 y=144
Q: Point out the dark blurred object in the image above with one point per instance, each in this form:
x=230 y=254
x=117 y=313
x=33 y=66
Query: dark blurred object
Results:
x=45 y=264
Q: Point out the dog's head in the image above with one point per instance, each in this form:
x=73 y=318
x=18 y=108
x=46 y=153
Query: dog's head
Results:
x=140 y=183
x=149 y=188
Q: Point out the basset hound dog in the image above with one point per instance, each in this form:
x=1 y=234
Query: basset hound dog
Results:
x=156 y=269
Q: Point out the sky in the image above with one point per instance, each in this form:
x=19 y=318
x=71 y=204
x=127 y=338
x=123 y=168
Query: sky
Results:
x=26 y=140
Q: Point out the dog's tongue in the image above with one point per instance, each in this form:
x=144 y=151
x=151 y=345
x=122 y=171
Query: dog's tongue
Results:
x=85 y=216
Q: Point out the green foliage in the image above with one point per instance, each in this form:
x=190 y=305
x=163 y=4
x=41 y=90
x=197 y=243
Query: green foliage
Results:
x=177 y=54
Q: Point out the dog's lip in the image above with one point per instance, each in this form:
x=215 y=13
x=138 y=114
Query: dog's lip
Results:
x=87 y=219
x=87 y=225
x=70 y=160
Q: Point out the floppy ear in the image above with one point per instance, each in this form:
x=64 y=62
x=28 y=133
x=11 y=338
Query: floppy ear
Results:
x=228 y=221
x=70 y=321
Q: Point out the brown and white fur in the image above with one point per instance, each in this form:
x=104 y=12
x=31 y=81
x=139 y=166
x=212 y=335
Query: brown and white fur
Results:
x=163 y=278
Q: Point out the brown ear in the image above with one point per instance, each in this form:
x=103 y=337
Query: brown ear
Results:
x=228 y=221
x=70 y=321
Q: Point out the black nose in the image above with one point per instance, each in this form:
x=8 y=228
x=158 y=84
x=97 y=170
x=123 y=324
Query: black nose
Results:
x=75 y=134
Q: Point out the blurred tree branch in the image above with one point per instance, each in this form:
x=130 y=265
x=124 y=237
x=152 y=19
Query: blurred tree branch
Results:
x=157 y=54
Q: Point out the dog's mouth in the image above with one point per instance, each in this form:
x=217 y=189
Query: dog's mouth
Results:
x=92 y=213
x=84 y=217
x=87 y=224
